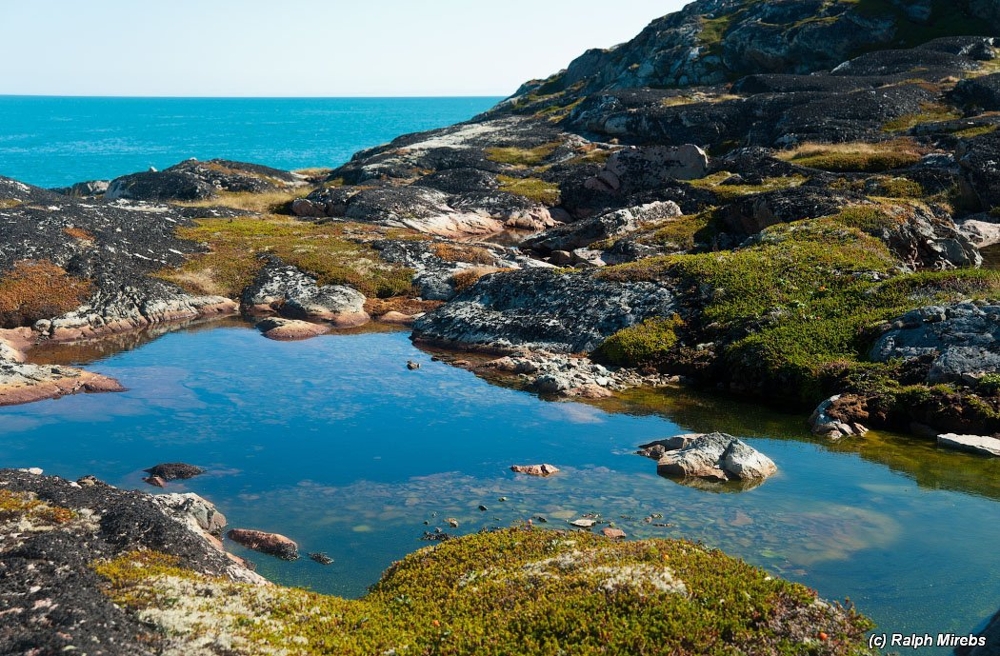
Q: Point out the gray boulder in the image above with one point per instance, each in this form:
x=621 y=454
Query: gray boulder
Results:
x=649 y=167
x=283 y=289
x=713 y=456
x=616 y=223
x=963 y=340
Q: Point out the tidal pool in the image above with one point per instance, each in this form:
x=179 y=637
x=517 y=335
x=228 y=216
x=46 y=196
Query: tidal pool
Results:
x=336 y=444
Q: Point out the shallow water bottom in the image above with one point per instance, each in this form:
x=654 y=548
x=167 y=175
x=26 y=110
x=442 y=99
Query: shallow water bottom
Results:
x=335 y=443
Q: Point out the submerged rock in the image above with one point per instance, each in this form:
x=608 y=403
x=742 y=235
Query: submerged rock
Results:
x=174 y=471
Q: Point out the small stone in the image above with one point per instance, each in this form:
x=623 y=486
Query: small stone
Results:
x=502 y=499
x=155 y=481
x=452 y=522
x=87 y=481
x=483 y=508
x=34 y=471
x=412 y=366
x=583 y=523
x=613 y=533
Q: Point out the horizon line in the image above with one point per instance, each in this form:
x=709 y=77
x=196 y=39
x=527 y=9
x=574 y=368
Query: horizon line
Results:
x=196 y=97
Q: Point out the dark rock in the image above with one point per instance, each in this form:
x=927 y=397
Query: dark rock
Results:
x=172 y=471
x=963 y=339
x=929 y=63
x=543 y=310
x=612 y=224
x=51 y=599
x=321 y=558
x=193 y=180
x=88 y=189
x=978 y=157
x=982 y=93
x=754 y=213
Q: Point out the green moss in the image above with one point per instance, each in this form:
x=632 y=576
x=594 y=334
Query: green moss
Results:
x=685 y=232
x=330 y=252
x=522 y=156
x=507 y=592
x=648 y=341
x=731 y=192
x=989 y=384
x=867 y=158
x=869 y=218
x=536 y=189
x=930 y=114
x=802 y=300
x=713 y=29
x=978 y=131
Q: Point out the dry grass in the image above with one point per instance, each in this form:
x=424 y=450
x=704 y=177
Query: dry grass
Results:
x=78 y=233
x=264 y=203
x=465 y=279
x=452 y=252
x=856 y=156
x=35 y=290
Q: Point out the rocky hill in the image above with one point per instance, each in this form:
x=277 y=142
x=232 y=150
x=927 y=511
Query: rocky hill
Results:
x=789 y=200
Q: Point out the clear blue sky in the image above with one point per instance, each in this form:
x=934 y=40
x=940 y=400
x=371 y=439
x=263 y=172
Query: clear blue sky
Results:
x=303 y=47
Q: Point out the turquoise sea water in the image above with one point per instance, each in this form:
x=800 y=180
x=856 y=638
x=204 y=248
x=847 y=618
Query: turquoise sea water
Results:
x=336 y=444
x=56 y=141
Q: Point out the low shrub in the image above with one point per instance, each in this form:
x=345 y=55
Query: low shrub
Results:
x=34 y=290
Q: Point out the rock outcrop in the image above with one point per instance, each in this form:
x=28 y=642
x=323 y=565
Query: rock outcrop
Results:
x=283 y=289
x=192 y=180
x=542 y=310
x=981 y=444
x=53 y=531
x=963 y=341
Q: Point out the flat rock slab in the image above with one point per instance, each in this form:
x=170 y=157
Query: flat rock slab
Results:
x=26 y=383
x=989 y=446
x=290 y=329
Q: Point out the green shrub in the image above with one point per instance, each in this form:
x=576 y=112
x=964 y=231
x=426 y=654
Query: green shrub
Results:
x=536 y=189
x=646 y=342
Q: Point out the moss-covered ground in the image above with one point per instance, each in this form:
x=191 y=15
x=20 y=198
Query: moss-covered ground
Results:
x=793 y=311
x=517 y=591
x=335 y=253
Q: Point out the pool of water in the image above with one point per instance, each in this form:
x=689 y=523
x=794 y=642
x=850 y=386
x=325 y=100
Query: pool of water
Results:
x=335 y=443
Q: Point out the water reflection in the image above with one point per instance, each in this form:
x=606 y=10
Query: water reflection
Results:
x=335 y=443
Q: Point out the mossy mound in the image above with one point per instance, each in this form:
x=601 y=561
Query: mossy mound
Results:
x=507 y=592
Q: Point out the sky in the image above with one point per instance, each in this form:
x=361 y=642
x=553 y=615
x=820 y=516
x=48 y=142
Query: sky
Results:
x=303 y=47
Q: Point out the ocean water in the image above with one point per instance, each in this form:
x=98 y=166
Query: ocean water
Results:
x=56 y=141
x=336 y=444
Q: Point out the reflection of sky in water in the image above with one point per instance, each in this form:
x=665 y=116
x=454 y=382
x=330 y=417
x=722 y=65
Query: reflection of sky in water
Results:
x=335 y=443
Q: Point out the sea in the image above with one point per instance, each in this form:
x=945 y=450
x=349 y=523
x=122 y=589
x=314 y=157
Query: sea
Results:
x=336 y=443
x=52 y=142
